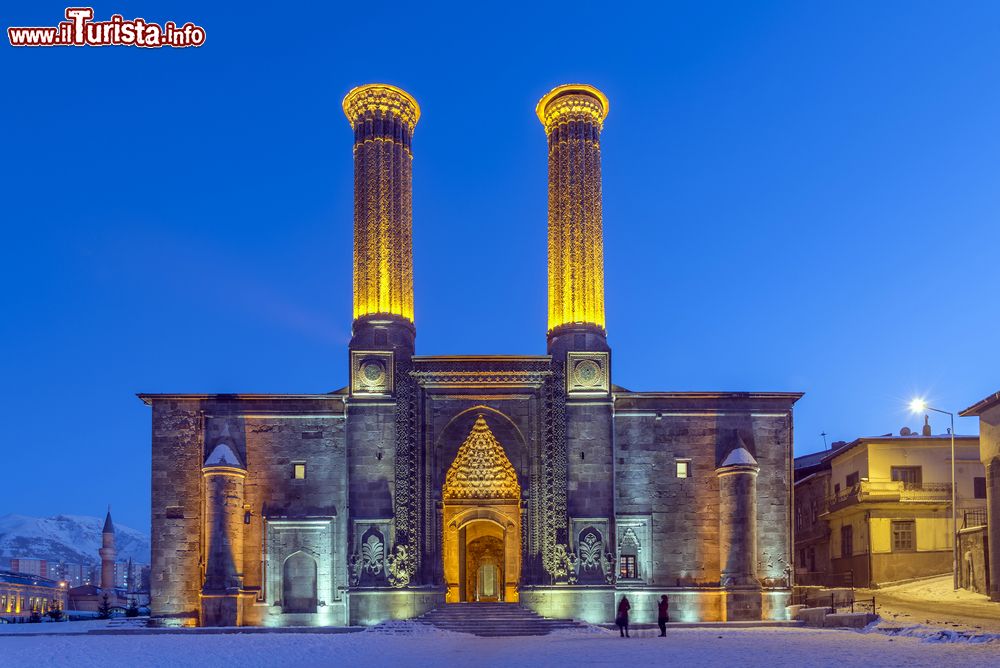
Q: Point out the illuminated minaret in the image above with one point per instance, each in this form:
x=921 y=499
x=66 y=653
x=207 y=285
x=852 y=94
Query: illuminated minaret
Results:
x=107 y=553
x=383 y=118
x=573 y=115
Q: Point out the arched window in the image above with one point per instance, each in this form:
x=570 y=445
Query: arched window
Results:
x=628 y=556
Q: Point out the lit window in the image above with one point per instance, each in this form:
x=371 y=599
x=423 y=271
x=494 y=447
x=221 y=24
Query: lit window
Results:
x=683 y=468
x=902 y=535
x=626 y=567
x=299 y=470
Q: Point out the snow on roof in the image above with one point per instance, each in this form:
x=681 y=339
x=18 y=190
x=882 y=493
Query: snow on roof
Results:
x=222 y=455
x=739 y=457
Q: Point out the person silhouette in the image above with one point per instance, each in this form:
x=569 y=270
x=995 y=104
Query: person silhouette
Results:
x=622 y=618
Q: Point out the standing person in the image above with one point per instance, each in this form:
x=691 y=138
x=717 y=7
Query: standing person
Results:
x=663 y=614
x=622 y=619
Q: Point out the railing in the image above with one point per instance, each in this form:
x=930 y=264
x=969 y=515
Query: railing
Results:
x=890 y=490
x=974 y=518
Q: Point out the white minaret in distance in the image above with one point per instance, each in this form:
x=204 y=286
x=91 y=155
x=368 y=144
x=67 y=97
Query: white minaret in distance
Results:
x=107 y=553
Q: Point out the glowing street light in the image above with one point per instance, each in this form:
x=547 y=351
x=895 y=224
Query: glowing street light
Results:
x=919 y=405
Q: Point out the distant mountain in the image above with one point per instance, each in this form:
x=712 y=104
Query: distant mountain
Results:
x=69 y=538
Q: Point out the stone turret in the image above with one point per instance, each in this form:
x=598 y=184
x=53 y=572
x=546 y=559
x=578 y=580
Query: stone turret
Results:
x=738 y=532
x=224 y=475
x=108 y=553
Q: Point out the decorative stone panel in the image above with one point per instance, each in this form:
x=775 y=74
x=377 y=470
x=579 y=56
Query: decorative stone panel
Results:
x=371 y=373
x=587 y=374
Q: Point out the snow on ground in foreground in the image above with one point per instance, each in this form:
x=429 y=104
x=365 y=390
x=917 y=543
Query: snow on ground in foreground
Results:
x=771 y=647
x=57 y=627
x=933 y=634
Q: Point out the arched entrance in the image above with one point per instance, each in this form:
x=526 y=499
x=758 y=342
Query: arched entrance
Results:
x=298 y=583
x=481 y=512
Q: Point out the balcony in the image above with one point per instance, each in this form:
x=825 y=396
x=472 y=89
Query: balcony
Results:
x=868 y=491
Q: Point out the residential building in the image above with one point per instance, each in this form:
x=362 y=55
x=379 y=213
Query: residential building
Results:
x=878 y=510
x=988 y=412
x=37 y=567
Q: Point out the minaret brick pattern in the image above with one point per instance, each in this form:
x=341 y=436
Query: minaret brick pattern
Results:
x=383 y=118
x=573 y=116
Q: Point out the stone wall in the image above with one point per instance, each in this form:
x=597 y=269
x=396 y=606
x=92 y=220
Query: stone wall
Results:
x=590 y=487
x=653 y=432
x=269 y=434
x=973 y=560
x=176 y=523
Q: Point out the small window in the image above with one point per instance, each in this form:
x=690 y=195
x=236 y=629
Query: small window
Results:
x=626 y=567
x=299 y=470
x=979 y=488
x=908 y=475
x=846 y=541
x=683 y=468
x=903 y=532
x=852 y=479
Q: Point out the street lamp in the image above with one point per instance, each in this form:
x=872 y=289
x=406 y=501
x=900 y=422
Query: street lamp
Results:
x=919 y=406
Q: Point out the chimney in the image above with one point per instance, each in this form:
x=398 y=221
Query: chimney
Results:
x=926 y=431
x=383 y=118
x=573 y=116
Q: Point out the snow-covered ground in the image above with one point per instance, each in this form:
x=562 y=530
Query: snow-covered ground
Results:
x=939 y=589
x=933 y=602
x=395 y=646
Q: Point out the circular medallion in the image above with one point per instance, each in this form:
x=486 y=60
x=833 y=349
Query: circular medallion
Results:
x=372 y=373
x=587 y=373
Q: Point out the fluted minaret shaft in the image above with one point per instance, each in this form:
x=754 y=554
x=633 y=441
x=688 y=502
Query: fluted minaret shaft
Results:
x=573 y=115
x=383 y=118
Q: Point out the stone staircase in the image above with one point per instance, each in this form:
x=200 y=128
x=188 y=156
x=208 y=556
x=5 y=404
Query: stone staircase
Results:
x=494 y=620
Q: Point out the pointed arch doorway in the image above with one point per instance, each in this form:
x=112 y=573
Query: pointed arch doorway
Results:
x=481 y=512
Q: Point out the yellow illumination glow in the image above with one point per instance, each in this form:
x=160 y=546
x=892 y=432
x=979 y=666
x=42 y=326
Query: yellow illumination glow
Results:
x=918 y=405
x=573 y=115
x=383 y=118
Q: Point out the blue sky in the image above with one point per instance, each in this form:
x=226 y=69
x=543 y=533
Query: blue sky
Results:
x=797 y=197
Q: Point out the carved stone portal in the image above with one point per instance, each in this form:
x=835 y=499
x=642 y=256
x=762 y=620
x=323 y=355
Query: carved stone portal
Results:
x=481 y=512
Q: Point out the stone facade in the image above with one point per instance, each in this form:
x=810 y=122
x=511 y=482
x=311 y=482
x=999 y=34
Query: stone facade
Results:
x=335 y=508
x=988 y=412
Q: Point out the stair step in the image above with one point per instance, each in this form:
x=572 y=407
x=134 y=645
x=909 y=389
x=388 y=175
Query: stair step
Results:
x=494 y=620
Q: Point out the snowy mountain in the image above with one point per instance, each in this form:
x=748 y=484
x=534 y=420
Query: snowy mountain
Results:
x=69 y=538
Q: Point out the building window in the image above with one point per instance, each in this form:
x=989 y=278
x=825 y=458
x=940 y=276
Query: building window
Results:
x=299 y=470
x=626 y=567
x=908 y=475
x=846 y=541
x=903 y=532
x=683 y=468
x=979 y=488
x=852 y=479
